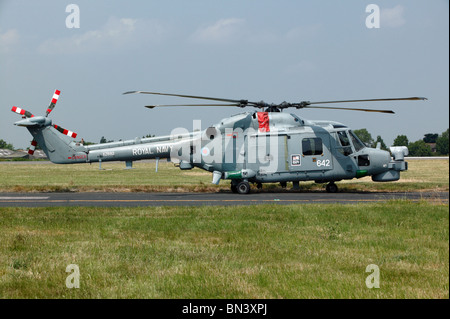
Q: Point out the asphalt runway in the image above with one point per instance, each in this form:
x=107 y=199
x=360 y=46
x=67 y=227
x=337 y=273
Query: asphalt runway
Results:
x=204 y=199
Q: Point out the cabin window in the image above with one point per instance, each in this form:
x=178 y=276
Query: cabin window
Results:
x=345 y=143
x=312 y=146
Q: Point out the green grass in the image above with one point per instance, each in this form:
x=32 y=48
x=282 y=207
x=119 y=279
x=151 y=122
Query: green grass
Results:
x=113 y=177
x=298 y=251
x=20 y=177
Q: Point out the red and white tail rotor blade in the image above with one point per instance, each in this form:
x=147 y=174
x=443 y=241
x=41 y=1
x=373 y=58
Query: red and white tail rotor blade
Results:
x=65 y=132
x=32 y=147
x=53 y=102
x=20 y=111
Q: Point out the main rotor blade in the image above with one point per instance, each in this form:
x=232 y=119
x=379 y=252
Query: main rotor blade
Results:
x=349 y=109
x=153 y=106
x=189 y=96
x=372 y=100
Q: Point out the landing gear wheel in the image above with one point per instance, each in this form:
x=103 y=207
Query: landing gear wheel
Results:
x=243 y=188
x=234 y=188
x=259 y=186
x=332 y=188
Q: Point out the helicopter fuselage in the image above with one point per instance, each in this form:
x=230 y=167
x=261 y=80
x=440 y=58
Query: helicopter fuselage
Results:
x=251 y=147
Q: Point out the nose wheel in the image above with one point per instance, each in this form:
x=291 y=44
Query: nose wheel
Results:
x=332 y=188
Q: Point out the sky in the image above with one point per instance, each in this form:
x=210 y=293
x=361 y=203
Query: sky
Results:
x=284 y=50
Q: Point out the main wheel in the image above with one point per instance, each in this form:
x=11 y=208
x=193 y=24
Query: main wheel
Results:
x=243 y=188
x=332 y=188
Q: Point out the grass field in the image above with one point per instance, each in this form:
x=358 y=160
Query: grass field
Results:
x=299 y=251
x=266 y=251
x=423 y=175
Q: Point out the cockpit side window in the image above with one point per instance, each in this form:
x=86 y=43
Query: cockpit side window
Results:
x=345 y=143
x=357 y=144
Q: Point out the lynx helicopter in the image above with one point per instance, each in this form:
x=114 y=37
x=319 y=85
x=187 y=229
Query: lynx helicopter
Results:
x=263 y=146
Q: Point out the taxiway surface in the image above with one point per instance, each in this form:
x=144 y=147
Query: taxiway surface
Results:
x=199 y=199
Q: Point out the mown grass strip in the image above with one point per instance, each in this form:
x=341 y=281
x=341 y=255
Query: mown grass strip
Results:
x=18 y=177
x=264 y=251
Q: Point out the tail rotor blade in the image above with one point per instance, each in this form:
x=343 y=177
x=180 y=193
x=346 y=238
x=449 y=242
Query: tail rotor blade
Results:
x=65 y=132
x=32 y=147
x=53 y=102
x=20 y=111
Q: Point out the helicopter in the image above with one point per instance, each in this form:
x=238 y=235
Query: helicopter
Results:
x=262 y=146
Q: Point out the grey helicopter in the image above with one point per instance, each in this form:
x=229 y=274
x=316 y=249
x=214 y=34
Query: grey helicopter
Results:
x=263 y=146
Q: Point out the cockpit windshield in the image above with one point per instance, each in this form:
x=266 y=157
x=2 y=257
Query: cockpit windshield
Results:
x=347 y=139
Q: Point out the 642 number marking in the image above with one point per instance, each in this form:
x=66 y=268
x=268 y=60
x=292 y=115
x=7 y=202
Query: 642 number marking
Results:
x=325 y=162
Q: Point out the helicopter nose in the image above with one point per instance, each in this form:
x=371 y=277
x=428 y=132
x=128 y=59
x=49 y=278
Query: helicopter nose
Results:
x=379 y=160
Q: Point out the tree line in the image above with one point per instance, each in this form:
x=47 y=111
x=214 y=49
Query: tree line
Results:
x=432 y=144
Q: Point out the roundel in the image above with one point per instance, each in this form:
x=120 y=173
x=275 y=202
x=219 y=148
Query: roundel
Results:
x=205 y=151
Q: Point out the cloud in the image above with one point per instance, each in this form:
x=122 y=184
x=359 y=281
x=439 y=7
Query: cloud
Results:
x=8 y=40
x=223 y=31
x=232 y=30
x=392 y=17
x=116 y=34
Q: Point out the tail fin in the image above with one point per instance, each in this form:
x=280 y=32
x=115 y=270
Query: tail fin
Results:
x=59 y=148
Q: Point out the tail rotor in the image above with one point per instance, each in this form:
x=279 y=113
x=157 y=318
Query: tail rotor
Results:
x=29 y=120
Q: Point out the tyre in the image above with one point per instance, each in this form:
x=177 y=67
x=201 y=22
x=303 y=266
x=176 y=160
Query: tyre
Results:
x=332 y=188
x=243 y=188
